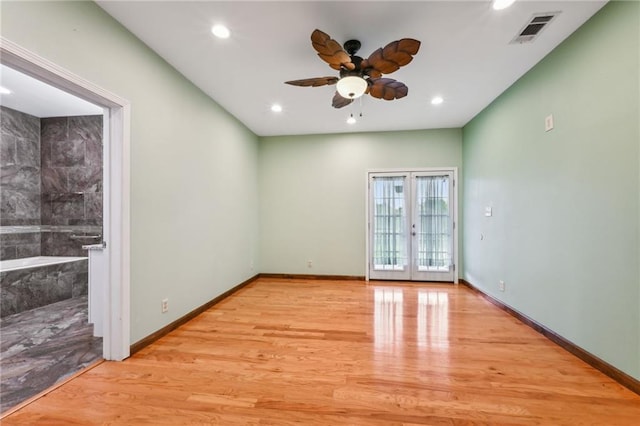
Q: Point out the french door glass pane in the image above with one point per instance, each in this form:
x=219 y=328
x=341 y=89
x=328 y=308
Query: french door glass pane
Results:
x=389 y=224
x=434 y=225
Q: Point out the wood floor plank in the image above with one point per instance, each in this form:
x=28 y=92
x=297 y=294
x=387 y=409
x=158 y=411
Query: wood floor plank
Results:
x=285 y=352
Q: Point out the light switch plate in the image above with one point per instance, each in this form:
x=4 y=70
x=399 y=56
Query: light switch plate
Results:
x=548 y=123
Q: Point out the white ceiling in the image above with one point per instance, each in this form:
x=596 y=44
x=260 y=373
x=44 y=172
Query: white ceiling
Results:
x=465 y=56
x=36 y=98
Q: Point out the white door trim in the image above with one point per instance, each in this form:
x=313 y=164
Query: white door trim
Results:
x=117 y=235
x=414 y=170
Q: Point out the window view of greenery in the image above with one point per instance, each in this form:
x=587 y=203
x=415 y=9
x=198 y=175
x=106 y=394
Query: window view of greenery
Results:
x=389 y=223
x=432 y=227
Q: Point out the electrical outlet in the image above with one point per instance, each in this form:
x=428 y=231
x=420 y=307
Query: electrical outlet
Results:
x=501 y=285
x=165 y=305
x=309 y=263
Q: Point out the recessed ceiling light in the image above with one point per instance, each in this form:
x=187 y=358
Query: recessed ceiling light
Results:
x=437 y=100
x=502 y=4
x=351 y=119
x=276 y=108
x=220 y=31
x=4 y=91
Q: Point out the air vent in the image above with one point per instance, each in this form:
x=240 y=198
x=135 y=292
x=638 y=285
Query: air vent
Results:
x=533 y=27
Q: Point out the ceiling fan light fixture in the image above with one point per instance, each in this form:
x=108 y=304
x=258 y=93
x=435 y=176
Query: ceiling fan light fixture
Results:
x=351 y=87
x=351 y=119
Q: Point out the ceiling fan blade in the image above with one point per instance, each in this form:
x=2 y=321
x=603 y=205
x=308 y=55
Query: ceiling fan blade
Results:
x=373 y=73
x=313 y=82
x=330 y=51
x=394 y=55
x=388 y=89
x=339 y=102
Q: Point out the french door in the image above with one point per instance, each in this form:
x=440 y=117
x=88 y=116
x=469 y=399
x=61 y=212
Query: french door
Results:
x=411 y=226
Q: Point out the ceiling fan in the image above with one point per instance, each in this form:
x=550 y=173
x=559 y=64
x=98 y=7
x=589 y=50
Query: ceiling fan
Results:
x=357 y=75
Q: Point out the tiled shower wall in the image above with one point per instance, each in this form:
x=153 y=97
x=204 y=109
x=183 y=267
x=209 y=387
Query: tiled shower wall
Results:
x=19 y=182
x=50 y=184
x=71 y=172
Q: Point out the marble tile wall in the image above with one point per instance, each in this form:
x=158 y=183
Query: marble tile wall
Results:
x=19 y=168
x=30 y=288
x=71 y=180
x=50 y=174
x=19 y=245
x=20 y=201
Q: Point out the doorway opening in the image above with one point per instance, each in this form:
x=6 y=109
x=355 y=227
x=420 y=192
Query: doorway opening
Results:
x=113 y=295
x=116 y=218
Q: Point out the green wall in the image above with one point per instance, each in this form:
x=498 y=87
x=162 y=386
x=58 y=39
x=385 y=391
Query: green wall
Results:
x=564 y=235
x=313 y=193
x=194 y=220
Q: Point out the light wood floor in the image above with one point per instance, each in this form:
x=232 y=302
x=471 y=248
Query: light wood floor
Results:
x=304 y=352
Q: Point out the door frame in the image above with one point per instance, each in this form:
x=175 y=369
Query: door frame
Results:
x=116 y=341
x=410 y=170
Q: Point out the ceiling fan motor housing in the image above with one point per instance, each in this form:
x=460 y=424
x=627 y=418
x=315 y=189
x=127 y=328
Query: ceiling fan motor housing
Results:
x=352 y=46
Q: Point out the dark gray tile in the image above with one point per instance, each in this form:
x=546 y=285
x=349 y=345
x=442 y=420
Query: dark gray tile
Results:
x=80 y=284
x=86 y=222
x=54 y=129
x=45 y=210
x=4 y=221
x=85 y=179
x=28 y=250
x=28 y=152
x=29 y=288
x=93 y=206
x=93 y=153
x=15 y=246
x=44 y=345
x=7 y=150
x=19 y=238
x=8 y=252
x=46 y=244
x=67 y=208
x=18 y=207
x=54 y=180
x=59 y=244
x=45 y=154
x=19 y=178
x=73 y=267
x=19 y=124
x=77 y=281
x=67 y=153
x=85 y=128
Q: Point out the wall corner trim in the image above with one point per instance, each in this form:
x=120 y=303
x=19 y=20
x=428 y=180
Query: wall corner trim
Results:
x=619 y=376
